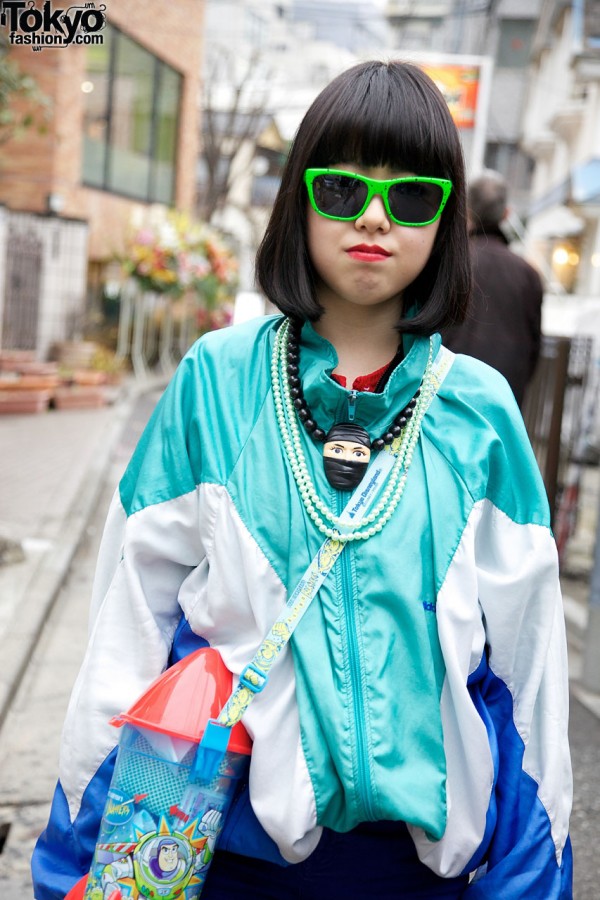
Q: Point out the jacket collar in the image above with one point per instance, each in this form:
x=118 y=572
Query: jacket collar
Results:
x=329 y=401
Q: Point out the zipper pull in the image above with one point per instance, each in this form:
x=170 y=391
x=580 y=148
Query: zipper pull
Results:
x=351 y=405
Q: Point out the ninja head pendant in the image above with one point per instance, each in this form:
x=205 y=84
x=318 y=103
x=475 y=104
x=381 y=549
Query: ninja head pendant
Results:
x=346 y=455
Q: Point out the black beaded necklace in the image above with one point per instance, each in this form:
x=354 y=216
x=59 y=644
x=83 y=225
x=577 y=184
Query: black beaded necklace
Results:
x=346 y=446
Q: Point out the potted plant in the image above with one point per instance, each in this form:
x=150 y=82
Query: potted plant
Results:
x=30 y=400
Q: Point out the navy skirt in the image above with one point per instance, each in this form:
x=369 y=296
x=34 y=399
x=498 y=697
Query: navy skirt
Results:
x=376 y=860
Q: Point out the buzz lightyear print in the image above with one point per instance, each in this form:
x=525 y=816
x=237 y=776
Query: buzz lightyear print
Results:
x=165 y=863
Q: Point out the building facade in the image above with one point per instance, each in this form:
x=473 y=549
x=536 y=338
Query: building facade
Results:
x=561 y=131
x=123 y=129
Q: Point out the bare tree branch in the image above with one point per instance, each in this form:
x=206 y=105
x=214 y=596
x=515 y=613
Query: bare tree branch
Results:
x=230 y=125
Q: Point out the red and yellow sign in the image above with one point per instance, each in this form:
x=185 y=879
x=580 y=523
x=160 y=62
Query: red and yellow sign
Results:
x=460 y=85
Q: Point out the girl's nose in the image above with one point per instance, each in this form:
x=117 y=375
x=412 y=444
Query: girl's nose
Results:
x=375 y=217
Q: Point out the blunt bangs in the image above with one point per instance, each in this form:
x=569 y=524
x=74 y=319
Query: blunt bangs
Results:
x=374 y=114
x=386 y=119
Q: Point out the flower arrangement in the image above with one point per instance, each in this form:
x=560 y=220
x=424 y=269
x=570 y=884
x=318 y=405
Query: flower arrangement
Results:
x=175 y=255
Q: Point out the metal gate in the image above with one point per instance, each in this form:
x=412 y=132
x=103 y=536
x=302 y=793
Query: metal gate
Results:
x=558 y=424
x=543 y=410
x=21 y=290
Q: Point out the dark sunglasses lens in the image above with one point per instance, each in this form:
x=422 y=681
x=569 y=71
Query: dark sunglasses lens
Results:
x=415 y=201
x=339 y=195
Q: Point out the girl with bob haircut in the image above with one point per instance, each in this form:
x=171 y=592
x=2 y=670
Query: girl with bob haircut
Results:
x=338 y=467
x=373 y=114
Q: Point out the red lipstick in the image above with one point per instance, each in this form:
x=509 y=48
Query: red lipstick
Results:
x=368 y=253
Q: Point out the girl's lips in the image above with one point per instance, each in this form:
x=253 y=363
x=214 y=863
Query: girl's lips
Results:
x=368 y=253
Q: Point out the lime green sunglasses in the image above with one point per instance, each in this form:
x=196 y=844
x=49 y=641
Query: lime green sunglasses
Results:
x=413 y=201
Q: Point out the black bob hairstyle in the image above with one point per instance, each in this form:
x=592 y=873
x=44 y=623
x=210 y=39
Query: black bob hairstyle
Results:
x=374 y=114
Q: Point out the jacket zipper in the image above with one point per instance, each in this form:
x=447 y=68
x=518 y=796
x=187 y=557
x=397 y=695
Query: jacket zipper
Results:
x=357 y=698
x=352 y=405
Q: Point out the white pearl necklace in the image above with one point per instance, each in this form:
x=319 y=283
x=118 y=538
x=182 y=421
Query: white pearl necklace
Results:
x=403 y=448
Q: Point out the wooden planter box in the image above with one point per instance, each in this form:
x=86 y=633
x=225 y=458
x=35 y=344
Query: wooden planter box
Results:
x=9 y=359
x=33 y=369
x=24 y=401
x=79 y=397
x=30 y=383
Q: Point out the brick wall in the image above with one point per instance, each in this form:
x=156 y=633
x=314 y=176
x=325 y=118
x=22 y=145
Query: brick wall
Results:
x=40 y=164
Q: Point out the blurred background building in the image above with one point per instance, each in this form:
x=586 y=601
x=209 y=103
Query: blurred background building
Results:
x=113 y=126
x=561 y=132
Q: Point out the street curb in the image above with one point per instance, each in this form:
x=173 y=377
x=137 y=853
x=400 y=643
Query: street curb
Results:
x=46 y=580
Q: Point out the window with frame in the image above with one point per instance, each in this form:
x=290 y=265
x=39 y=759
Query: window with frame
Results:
x=131 y=115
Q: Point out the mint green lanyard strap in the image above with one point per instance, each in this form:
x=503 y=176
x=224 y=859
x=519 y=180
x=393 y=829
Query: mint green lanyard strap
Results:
x=254 y=677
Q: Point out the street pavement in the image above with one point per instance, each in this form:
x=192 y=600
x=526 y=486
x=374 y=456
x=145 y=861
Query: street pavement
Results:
x=59 y=472
x=61 y=532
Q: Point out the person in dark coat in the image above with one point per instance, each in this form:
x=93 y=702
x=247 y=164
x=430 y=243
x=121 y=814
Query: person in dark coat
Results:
x=503 y=325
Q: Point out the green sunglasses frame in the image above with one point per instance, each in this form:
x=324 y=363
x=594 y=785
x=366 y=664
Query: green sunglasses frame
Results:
x=382 y=188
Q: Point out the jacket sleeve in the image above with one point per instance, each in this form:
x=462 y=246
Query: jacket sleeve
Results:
x=521 y=690
x=152 y=540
